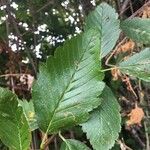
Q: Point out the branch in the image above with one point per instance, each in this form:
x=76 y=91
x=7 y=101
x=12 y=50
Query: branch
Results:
x=123 y=8
x=51 y=2
x=139 y=10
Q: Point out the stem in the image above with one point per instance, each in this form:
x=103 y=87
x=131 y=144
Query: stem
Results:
x=115 y=67
x=146 y=134
x=49 y=140
x=46 y=5
x=64 y=140
x=113 y=52
x=139 y=10
x=61 y=137
x=106 y=70
x=123 y=8
x=42 y=146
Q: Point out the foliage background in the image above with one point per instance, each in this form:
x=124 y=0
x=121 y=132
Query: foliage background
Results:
x=30 y=30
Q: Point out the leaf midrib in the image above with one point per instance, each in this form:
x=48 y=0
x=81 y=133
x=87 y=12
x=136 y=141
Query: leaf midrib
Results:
x=19 y=133
x=63 y=93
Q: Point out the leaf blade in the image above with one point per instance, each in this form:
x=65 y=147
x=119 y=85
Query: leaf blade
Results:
x=29 y=112
x=14 y=129
x=70 y=144
x=104 y=125
x=105 y=18
x=74 y=70
x=137 y=29
x=138 y=65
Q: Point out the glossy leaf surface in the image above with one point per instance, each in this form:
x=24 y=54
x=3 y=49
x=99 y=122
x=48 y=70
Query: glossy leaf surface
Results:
x=69 y=84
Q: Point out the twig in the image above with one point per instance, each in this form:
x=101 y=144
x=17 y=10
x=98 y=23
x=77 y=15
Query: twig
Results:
x=46 y=141
x=49 y=140
x=113 y=52
x=129 y=85
x=46 y=5
x=139 y=10
x=123 y=8
x=11 y=78
x=145 y=125
x=118 y=5
x=32 y=10
x=123 y=146
x=55 y=144
x=147 y=137
x=131 y=7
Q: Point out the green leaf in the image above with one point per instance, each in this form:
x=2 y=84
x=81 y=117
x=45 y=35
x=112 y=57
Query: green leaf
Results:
x=70 y=144
x=106 y=20
x=29 y=112
x=138 y=65
x=14 y=129
x=104 y=125
x=137 y=29
x=69 y=84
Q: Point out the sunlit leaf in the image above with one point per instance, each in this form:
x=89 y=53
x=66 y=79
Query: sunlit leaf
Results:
x=69 y=84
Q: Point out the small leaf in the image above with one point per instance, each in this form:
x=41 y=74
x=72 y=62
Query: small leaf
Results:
x=105 y=18
x=14 y=129
x=29 y=112
x=137 y=29
x=138 y=65
x=104 y=125
x=69 y=84
x=70 y=144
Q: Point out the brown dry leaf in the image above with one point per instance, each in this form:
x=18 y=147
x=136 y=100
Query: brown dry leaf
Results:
x=115 y=73
x=127 y=47
x=146 y=12
x=136 y=116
